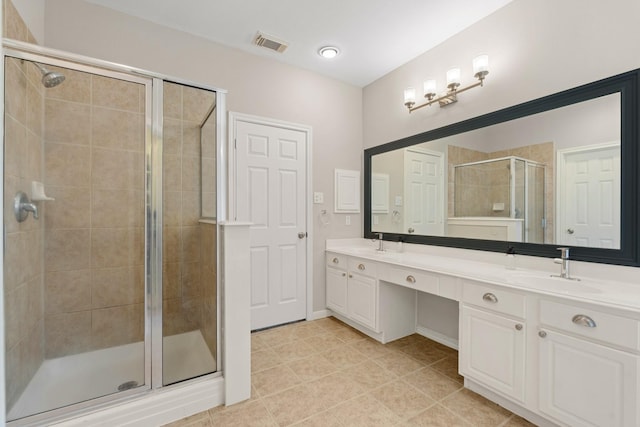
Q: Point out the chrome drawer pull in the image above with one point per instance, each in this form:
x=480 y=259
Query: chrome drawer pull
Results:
x=542 y=334
x=489 y=297
x=360 y=266
x=583 y=320
x=335 y=260
x=518 y=326
x=411 y=279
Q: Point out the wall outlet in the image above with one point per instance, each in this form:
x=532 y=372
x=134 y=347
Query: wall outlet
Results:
x=398 y=201
x=318 y=197
x=347 y=220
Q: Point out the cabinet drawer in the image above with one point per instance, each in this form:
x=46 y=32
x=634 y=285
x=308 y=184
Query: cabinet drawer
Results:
x=591 y=323
x=363 y=266
x=422 y=281
x=494 y=298
x=336 y=260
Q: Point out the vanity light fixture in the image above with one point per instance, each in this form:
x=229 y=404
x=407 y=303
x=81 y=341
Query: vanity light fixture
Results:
x=480 y=70
x=328 y=52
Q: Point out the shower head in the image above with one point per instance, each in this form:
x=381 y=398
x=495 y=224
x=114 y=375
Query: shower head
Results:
x=49 y=78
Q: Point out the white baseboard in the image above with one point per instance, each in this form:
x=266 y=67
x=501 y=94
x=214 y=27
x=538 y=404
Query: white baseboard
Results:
x=437 y=337
x=158 y=407
x=320 y=314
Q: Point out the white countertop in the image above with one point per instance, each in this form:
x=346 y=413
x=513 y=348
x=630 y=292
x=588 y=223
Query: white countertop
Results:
x=617 y=294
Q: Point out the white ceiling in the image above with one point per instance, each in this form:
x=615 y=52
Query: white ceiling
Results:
x=374 y=36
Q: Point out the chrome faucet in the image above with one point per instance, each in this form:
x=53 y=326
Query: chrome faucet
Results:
x=380 y=243
x=564 y=265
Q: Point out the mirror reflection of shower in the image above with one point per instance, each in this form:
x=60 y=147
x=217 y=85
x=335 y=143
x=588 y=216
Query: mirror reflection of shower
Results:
x=49 y=78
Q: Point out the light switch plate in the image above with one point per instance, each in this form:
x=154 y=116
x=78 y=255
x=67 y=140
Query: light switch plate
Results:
x=318 y=197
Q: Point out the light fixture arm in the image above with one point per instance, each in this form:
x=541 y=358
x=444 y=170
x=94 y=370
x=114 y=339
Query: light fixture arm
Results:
x=449 y=97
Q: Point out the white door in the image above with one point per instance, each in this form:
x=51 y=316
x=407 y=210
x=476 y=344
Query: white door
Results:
x=589 y=202
x=271 y=194
x=424 y=189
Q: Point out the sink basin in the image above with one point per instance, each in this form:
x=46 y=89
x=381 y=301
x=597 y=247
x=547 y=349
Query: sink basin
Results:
x=551 y=283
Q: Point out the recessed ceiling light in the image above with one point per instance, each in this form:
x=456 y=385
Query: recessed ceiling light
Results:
x=328 y=52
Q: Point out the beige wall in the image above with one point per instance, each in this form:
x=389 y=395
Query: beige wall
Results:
x=256 y=86
x=23 y=275
x=535 y=48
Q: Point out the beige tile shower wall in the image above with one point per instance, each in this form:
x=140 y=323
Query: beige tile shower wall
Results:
x=23 y=281
x=459 y=155
x=184 y=288
x=94 y=254
x=209 y=288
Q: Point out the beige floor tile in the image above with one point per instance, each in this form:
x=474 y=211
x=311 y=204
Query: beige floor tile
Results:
x=252 y=414
x=344 y=356
x=323 y=419
x=304 y=330
x=323 y=341
x=437 y=416
x=311 y=368
x=349 y=335
x=365 y=411
x=405 y=341
x=476 y=409
x=257 y=343
x=335 y=388
x=277 y=336
x=274 y=380
x=293 y=350
x=424 y=353
x=516 y=421
x=369 y=374
x=198 y=420
x=372 y=348
x=402 y=399
x=399 y=363
x=294 y=405
x=432 y=383
x=264 y=359
x=330 y=324
x=449 y=368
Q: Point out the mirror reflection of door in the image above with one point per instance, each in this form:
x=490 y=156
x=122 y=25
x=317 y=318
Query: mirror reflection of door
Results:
x=589 y=202
x=424 y=188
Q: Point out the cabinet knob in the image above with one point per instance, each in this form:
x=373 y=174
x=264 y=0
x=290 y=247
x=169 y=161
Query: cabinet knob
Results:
x=335 y=260
x=518 y=326
x=344 y=274
x=542 y=334
x=411 y=279
x=361 y=267
x=489 y=297
x=583 y=320
x=350 y=276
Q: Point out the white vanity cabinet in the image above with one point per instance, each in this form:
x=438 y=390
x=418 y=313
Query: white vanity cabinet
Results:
x=493 y=338
x=588 y=366
x=352 y=289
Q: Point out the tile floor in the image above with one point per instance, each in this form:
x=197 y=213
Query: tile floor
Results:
x=324 y=373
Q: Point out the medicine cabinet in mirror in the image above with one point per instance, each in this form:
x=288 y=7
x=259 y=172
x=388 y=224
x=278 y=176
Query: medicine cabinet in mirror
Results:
x=557 y=171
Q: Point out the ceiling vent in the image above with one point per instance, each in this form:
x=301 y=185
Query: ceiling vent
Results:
x=270 y=42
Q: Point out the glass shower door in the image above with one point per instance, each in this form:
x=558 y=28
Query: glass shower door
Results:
x=74 y=284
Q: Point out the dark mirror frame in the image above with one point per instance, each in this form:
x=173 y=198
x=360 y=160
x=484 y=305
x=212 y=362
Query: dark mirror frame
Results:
x=627 y=85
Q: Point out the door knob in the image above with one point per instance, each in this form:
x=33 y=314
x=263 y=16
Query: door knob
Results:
x=302 y=235
x=570 y=231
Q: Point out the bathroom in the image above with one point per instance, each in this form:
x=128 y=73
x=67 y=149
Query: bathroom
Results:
x=347 y=118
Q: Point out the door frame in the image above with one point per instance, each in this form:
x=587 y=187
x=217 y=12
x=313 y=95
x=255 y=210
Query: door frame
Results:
x=234 y=118
x=561 y=169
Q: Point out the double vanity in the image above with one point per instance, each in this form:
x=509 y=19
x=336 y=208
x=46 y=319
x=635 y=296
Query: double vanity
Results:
x=557 y=351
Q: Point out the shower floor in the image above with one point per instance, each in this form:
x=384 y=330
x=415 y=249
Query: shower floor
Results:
x=79 y=377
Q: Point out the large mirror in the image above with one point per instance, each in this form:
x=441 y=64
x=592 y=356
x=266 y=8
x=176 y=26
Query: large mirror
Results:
x=557 y=171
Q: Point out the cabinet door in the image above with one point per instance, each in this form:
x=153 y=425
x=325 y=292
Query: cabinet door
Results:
x=361 y=299
x=337 y=290
x=586 y=384
x=492 y=351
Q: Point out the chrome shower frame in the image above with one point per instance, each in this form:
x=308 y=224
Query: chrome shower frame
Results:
x=153 y=83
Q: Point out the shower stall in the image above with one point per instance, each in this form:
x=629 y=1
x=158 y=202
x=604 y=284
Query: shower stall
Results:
x=508 y=188
x=110 y=234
